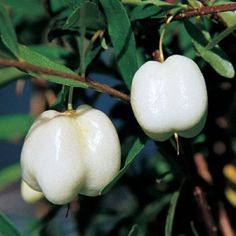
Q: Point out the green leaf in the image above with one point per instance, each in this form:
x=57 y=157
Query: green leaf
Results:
x=171 y=213
x=152 y=209
x=122 y=38
x=14 y=126
x=134 y=151
x=229 y=17
x=86 y=15
x=9 y=74
x=215 y=57
x=25 y=11
x=40 y=224
x=71 y=3
x=220 y=37
x=37 y=59
x=134 y=230
x=61 y=99
x=9 y=175
x=6 y=227
x=7 y=33
x=53 y=52
x=144 y=11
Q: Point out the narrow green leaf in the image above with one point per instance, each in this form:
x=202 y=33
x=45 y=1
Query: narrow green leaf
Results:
x=86 y=15
x=171 y=213
x=220 y=37
x=7 y=33
x=229 y=17
x=25 y=11
x=9 y=175
x=152 y=209
x=6 y=227
x=159 y=3
x=144 y=11
x=39 y=225
x=195 y=233
x=134 y=151
x=134 y=230
x=53 y=52
x=37 y=59
x=14 y=126
x=9 y=74
x=215 y=57
x=122 y=38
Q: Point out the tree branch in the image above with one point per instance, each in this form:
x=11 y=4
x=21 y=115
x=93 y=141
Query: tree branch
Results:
x=203 y=205
x=92 y=84
x=205 y=10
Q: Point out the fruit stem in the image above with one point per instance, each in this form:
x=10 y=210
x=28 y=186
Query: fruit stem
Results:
x=70 y=98
x=177 y=143
x=162 y=34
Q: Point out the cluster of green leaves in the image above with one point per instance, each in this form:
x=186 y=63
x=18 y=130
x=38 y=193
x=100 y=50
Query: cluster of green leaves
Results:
x=71 y=36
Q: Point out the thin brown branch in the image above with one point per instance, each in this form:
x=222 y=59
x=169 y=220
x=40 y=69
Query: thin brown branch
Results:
x=203 y=171
x=22 y=65
x=205 y=10
x=224 y=222
x=198 y=192
x=206 y=213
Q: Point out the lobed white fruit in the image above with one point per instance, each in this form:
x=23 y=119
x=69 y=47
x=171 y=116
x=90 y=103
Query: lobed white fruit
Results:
x=68 y=153
x=28 y=194
x=169 y=97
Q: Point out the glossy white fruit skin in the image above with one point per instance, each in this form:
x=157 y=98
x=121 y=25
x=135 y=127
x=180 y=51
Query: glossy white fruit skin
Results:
x=30 y=195
x=66 y=152
x=103 y=152
x=169 y=97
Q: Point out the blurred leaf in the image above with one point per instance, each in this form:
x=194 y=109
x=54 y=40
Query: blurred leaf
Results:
x=14 y=126
x=86 y=15
x=134 y=151
x=220 y=37
x=195 y=233
x=122 y=38
x=40 y=224
x=25 y=10
x=61 y=99
x=230 y=194
x=7 y=32
x=229 y=17
x=152 y=209
x=53 y=52
x=9 y=74
x=215 y=57
x=71 y=3
x=91 y=55
x=134 y=230
x=6 y=227
x=171 y=213
x=158 y=3
x=9 y=175
x=144 y=11
x=39 y=60
x=229 y=171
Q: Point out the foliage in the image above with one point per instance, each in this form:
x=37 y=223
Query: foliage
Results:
x=107 y=41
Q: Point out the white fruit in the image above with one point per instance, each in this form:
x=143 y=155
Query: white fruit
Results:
x=169 y=97
x=28 y=194
x=69 y=153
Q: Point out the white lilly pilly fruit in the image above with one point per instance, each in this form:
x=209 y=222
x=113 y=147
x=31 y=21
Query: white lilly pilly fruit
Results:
x=68 y=153
x=30 y=195
x=169 y=97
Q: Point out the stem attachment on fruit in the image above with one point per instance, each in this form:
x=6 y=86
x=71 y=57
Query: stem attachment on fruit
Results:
x=177 y=143
x=162 y=38
x=70 y=98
